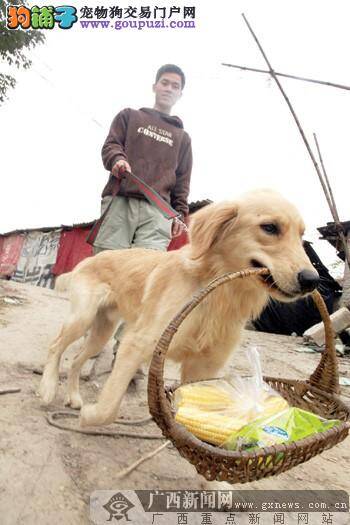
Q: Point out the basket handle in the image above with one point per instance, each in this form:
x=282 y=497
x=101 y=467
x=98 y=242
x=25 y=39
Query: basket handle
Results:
x=325 y=376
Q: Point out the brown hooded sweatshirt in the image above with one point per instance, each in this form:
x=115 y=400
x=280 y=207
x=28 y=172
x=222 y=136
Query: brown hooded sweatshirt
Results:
x=158 y=151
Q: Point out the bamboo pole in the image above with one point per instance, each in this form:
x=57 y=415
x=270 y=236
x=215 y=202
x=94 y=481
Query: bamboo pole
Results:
x=294 y=77
x=329 y=189
x=334 y=209
x=306 y=142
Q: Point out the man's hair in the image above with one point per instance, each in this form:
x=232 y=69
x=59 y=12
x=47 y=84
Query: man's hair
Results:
x=171 y=68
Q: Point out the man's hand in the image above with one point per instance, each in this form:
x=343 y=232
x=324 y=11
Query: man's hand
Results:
x=177 y=228
x=119 y=168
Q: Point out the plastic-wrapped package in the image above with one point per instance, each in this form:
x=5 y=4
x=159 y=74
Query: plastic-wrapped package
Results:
x=243 y=413
x=213 y=410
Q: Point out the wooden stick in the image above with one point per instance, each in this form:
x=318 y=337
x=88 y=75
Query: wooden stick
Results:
x=132 y=467
x=306 y=142
x=294 y=77
x=9 y=391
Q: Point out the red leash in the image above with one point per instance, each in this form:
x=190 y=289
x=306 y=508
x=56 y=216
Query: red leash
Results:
x=151 y=195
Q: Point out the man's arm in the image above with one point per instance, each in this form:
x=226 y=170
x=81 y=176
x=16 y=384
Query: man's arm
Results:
x=113 y=150
x=179 y=194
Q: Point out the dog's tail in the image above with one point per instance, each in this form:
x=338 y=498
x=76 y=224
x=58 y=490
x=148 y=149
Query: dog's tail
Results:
x=62 y=283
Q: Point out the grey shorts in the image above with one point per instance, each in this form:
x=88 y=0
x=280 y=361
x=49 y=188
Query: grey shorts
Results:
x=132 y=223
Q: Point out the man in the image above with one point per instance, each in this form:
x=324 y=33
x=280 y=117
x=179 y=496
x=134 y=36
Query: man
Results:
x=152 y=144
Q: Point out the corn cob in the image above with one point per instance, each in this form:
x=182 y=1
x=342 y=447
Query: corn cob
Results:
x=213 y=428
x=203 y=397
x=213 y=415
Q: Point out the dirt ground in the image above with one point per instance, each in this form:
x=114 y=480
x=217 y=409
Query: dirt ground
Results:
x=48 y=474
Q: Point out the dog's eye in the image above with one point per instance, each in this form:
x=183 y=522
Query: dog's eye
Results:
x=271 y=229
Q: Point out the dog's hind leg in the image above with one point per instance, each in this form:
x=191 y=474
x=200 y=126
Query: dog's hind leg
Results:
x=70 y=332
x=101 y=330
x=83 y=312
x=135 y=349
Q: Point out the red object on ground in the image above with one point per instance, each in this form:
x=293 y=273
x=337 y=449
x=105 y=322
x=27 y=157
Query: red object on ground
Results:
x=11 y=248
x=72 y=249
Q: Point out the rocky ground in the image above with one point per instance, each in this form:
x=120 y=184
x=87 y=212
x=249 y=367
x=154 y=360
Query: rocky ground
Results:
x=48 y=474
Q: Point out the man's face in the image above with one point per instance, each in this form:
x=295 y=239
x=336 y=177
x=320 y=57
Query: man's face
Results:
x=168 y=90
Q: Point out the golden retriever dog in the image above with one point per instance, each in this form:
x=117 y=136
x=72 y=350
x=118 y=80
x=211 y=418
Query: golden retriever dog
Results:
x=147 y=288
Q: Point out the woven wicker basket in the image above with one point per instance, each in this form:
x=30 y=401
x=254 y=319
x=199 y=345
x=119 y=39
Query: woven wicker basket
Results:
x=316 y=394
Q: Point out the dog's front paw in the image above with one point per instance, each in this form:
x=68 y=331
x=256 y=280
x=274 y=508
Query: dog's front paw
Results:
x=47 y=390
x=88 y=416
x=74 y=401
x=95 y=415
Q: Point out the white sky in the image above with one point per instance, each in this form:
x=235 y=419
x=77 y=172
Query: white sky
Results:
x=243 y=134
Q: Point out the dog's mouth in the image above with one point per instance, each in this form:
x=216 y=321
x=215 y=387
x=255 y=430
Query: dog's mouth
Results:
x=268 y=279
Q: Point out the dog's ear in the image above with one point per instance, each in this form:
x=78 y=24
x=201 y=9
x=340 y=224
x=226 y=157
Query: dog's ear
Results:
x=210 y=224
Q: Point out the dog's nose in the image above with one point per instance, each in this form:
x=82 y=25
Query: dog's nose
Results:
x=308 y=280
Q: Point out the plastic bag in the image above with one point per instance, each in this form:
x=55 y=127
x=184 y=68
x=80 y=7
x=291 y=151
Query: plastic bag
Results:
x=287 y=426
x=213 y=410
